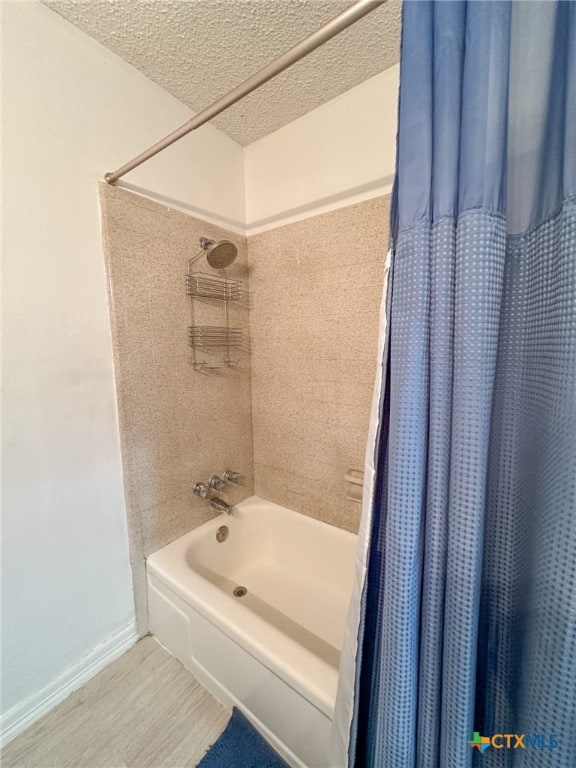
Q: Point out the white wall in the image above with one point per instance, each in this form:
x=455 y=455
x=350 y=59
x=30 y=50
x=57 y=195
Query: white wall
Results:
x=338 y=154
x=71 y=111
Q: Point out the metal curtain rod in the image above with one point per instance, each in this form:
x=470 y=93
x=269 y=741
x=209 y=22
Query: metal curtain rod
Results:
x=303 y=48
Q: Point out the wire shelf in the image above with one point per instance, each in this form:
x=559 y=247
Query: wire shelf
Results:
x=214 y=287
x=212 y=336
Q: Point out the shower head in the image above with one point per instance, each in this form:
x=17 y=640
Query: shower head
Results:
x=219 y=254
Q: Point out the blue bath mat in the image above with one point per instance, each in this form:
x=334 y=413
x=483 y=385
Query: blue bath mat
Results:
x=241 y=746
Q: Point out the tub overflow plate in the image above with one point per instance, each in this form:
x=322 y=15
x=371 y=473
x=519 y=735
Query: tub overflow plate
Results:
x=222 y=533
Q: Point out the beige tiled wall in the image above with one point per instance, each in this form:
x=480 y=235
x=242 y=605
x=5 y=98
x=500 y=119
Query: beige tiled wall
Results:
x=294 y=417
x=177 y=426
x=316 y=288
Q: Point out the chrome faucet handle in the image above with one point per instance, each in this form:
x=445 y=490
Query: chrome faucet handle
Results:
x=232 y=476
x=202 y=490
x=216 y=483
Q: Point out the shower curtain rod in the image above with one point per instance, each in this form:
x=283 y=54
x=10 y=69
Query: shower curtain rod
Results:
x=303 y=48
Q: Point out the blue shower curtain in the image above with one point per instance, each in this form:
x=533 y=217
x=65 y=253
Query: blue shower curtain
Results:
x=466 y=625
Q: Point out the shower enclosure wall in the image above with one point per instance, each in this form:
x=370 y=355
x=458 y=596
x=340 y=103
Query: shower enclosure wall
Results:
x=176 y=425
x=294 y=417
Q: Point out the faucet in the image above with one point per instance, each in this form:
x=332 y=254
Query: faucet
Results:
x=231 y=476
x=219 y=505
x=216 y=483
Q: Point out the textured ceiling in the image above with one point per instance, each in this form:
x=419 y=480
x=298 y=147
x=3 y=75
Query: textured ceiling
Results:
x=197 y=50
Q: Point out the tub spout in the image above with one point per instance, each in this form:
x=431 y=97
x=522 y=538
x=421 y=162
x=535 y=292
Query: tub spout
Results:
x=218 y=505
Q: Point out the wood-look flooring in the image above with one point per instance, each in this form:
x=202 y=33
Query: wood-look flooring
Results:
x=143 y=711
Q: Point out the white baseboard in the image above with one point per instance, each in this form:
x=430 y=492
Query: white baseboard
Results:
x=17 y=719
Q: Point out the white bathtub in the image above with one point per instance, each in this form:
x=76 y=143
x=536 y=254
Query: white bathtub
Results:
x=273 y=653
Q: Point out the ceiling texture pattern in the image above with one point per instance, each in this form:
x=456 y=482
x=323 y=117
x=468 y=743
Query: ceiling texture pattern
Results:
x=197 y=50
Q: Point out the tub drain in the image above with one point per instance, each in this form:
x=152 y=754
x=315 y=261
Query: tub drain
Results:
x=240 y=591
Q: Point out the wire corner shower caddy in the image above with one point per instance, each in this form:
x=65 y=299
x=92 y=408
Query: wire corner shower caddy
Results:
x=219 y=345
